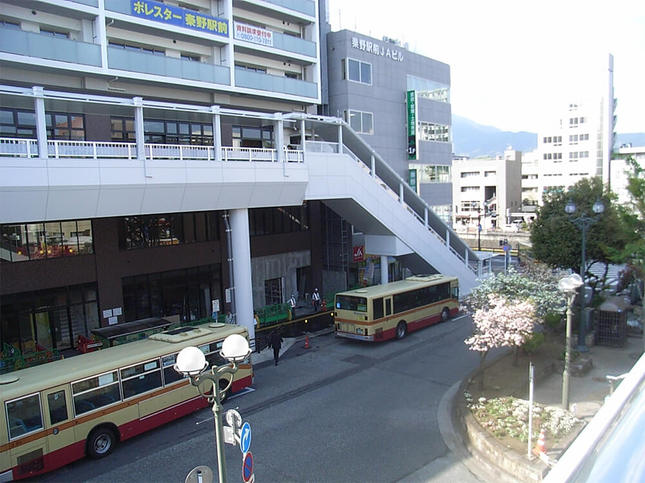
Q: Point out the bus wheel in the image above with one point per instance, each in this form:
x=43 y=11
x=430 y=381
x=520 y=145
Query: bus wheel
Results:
x=100 y=442
x=445 y=314
x=401 y=330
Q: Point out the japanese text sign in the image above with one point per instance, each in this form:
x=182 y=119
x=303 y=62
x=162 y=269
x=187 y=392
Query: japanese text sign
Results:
x=180 y=17
x=253 y=34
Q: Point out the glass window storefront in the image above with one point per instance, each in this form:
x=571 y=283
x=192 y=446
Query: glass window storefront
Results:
x=168 y=229
x=37 y=241
x=270 y=221
x=164 y=131
x=60 y=125
x=48 y=319
x=187 y=293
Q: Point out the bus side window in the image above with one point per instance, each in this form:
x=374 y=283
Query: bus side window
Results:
x=24 y=415
x=388 y=306
x=57 y=407
x=378 y=308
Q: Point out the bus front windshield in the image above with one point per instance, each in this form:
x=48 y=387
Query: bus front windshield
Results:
x=348 y=302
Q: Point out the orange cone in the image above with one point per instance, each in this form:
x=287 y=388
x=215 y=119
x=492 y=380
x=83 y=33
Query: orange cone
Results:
x=540 y=448
x=306 y=342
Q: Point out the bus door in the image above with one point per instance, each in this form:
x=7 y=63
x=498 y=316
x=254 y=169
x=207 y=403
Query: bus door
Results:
x=57 y=412
x=25 y=431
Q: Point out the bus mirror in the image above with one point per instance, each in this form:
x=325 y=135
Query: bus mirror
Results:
x=190 y=361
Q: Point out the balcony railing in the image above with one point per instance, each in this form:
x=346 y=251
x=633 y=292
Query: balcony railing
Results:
x=60 y=149
x=47 y=47
x=294 y=44
x=167 y=66
x=275 y=83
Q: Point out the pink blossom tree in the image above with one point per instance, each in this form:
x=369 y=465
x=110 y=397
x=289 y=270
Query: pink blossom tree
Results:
x=501 y=324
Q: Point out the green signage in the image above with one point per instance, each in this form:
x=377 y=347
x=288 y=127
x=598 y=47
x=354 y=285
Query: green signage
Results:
x=411 y=101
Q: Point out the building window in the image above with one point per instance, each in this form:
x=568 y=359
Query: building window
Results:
x=122 y=129
x=272 y=221
x=191 y=57
x=488 y=174
x=429 y=131
x=136 y=48
x=252 y=68
x=357 y=71
x=164 y=131
x=428 y=89
x=22 y=123
x=469 y=189
x=431 y=173
x=253 y=137
x=469 y=174
x=151 y=231
x=7 y=24
x=361 y=122
x=187 y=293
x=54 y=33
x=37 y=241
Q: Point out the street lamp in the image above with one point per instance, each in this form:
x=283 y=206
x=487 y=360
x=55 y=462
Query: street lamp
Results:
x=191 y=362
x=583 y=222
x=569 y=285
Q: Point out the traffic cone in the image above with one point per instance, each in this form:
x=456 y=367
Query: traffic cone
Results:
x=306 y=342
x=540 y=448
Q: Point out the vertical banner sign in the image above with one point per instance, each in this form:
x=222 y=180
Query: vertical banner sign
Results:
x=411 y=101
x=412 y=179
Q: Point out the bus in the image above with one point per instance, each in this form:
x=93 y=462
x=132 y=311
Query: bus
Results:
x=84 y=405
x=391 y=310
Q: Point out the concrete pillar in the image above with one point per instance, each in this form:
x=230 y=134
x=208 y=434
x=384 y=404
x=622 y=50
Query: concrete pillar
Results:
x=340 y=139
x=139 y=132
x=217 y=133
x=447 y=238
x=278 y=131
x=41 y=124
x=302 y=135
x=401 y=191
x=373 y=165
x=243 y=290
x=384 y=271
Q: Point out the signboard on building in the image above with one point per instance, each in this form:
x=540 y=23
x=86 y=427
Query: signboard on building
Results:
x=249 y=33
x=181 y=17
x=377 y=49
x=359 y=253
x=413 y=145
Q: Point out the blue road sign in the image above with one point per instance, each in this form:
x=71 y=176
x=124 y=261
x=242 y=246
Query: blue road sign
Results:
x=247 y=467
x=245 y=437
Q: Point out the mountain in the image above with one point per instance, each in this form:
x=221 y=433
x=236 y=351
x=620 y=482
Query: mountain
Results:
x=476 y=140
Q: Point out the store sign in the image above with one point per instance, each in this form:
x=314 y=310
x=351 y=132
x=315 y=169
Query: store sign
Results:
x=252 y=34
x=181 y=17
x=359 y=253
x=377 y=49
x=413 y=145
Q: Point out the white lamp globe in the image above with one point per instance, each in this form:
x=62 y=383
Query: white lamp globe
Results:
x=190 y=361
x=235 y=348
x=570 y=283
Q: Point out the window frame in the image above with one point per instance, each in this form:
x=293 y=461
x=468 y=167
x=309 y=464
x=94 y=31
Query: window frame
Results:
x=123 y=379
x=117 y=382
x=348 y=119
x=6 y=409
x=346 y=71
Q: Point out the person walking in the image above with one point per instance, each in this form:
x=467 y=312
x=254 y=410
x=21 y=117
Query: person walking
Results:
x=292 y=305
x=276 y=342
x=315 y=300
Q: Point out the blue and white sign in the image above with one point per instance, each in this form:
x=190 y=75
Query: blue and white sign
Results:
x=182 y=17
x=245 y=437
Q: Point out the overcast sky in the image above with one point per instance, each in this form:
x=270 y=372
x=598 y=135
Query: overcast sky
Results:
x=515 y=64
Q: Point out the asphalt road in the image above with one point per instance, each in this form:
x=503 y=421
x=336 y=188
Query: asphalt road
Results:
x=340 y=411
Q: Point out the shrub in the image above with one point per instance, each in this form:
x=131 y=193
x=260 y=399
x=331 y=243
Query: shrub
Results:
x=533 y=342
x=553 y=320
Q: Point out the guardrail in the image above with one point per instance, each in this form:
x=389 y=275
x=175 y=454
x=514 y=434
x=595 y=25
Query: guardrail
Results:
x=59 y=149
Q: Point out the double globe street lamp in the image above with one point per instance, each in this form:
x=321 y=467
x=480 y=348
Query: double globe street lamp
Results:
x=191 y=362
x=583 y=222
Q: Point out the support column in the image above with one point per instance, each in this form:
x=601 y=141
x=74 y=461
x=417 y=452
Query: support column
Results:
x=217 y=132
x=401 y=191
x=243 y=290
x=41 y=125
x=373 y=164
x=384 y=269
x=340 y=139
x=138 y=128
x=278 y=133
x=302 y=135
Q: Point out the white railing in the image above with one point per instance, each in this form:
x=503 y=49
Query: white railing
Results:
x=18 y=148
x=321 y=147
x=28 y=148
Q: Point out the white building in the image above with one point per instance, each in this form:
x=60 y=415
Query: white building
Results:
x=620 y=170
x=486 y=191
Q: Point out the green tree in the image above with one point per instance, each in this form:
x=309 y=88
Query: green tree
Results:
x=557 y=241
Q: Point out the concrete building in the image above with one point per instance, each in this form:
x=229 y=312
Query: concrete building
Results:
x=580 y=143
x=620 y=171
x=156 y=158
x=369 y=83
x=486 y=191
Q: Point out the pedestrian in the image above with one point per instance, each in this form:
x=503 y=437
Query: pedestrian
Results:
x=315 y=299
x=292 y=305
x=276 y=342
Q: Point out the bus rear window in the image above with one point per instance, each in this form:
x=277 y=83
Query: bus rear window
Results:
x=24 y=415
x=348 y=302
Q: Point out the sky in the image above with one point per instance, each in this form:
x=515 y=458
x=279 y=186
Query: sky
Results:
x=517 y=64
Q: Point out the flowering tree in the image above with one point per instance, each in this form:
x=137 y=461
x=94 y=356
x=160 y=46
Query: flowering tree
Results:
x=501 y=324
x=538 y=284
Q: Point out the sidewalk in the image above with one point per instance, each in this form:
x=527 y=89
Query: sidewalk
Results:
x=586 y=395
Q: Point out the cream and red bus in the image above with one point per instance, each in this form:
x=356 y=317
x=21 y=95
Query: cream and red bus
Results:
x=391 y=310
x=59 y=412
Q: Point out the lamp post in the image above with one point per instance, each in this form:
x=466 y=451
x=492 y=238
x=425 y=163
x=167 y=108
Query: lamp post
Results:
x=479 y=230
x=569 y=285
x=191 y=362
x=583 y=222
